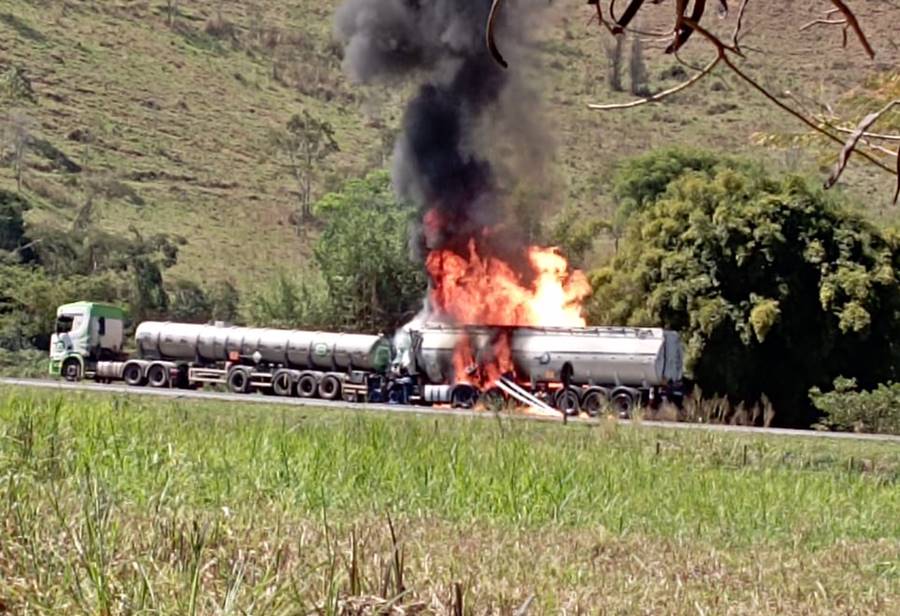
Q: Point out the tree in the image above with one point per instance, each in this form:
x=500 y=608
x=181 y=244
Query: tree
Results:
x=305 y=143
x=12 y=225
x=775 y=287
x=637 y=70
x=17 y=86
x=642 y=179
x=364 y=255
x=171 y=12
x=290 y=301
x=188 y=302
x=29 y=297
x=574 y=233
x=17 y=136
x=224 y=301
x=614 y=50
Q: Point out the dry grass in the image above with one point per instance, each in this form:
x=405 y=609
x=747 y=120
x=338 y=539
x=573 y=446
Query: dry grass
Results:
x=128 y=561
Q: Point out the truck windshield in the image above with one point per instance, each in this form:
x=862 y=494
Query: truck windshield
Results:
x=67 y=322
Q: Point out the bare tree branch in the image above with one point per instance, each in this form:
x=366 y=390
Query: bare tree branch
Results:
x=854 y=25
x=661 y=95
x=630 y=11
x=489 y=33
x=739 y=24
x=850 y=145
x=867 y=134
x=683 y=29
x=687 y=22
x=825 y=22
x=897 y=192
x=723 y=55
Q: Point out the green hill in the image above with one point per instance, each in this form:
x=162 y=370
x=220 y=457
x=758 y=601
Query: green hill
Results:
x=169 y=117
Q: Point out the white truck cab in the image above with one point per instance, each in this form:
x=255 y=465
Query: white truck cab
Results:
x=86 y=332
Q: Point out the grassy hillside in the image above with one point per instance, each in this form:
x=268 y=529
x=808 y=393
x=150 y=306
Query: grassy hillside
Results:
x=170 y=119
x=125 y=506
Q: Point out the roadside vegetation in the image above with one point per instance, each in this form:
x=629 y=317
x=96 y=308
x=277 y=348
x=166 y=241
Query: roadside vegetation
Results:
x=135 y=176
x=849 y=408
x=776 y=286
x=126 y=505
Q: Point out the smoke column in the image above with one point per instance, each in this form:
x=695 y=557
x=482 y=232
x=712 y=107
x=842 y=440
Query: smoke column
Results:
x=442 y=159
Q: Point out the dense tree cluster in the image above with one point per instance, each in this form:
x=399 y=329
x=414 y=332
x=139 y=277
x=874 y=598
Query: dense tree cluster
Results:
x=364 y=280
x=43 y=267
x=775 y=286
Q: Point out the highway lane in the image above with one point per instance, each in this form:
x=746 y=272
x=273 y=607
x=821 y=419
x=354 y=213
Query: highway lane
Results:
x=182 y=394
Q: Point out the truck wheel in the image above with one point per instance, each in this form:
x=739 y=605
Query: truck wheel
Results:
x=283 y=384
x=595 y=401
x=623 y=403
x=330 y=387
x=463 y=397
x=158 y=376
x=71 y=370
x=307 y=386
x=493 y=400
x=133 y=375
x=239 y=381
x=566 y=400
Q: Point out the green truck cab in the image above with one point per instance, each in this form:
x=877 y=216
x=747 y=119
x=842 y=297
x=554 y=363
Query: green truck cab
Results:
x=86 y=333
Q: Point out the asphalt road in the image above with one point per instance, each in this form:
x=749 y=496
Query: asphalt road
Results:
x=181 y=394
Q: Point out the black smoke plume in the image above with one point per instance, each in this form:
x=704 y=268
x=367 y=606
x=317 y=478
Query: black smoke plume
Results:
x=443 y=158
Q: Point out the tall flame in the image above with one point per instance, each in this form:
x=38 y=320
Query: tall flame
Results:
x=476 y=290
x=472 y=289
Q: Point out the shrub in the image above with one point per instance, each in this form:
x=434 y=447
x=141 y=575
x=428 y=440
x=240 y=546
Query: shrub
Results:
x=188 y=302
x=292 y=302
x=846 y=408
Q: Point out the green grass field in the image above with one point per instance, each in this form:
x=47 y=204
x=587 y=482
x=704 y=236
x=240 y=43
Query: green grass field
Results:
x=129 y=506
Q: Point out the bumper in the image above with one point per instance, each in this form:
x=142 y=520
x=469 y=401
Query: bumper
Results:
x=55 y=367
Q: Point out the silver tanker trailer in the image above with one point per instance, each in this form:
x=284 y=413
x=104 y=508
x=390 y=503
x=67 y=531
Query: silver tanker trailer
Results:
x=573 y=368
x=308 y=363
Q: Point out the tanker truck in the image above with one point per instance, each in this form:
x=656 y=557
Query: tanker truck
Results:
x=89 y=339
x=572 y=369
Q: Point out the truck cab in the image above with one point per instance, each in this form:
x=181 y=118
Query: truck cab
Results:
x=85 y=333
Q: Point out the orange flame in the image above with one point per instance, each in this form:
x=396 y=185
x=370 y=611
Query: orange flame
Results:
x=487 y=291
x=475 y=290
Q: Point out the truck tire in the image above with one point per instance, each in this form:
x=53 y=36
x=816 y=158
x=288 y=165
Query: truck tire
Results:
x=307 y=386
x=566 y=401
x=330 y=387
x=463 y=397
x=283 y=384
x=158 y=376
x=623 y=403
x=494 y=400
x=239 y=381
x=595 y=401
x=71 y=370
x=133 y=375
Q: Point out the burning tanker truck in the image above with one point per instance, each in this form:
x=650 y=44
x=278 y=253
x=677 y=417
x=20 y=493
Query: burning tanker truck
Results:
x=571 y=369
x=502 y=319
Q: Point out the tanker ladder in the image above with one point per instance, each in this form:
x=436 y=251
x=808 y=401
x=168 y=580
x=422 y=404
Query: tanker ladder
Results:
x=519 y=394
